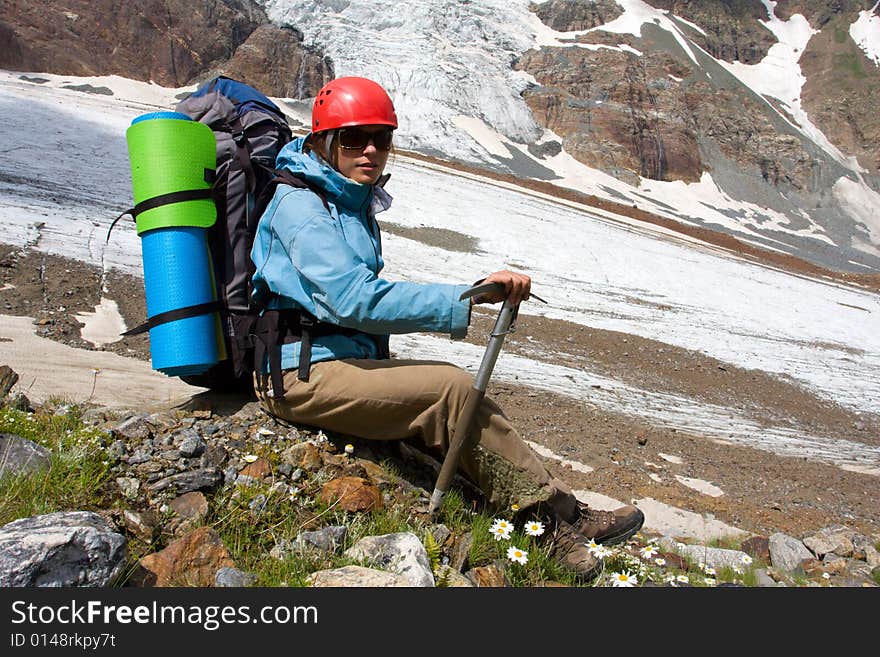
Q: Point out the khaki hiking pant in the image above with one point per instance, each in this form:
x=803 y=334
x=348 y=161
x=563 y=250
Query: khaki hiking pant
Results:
x=421 y=400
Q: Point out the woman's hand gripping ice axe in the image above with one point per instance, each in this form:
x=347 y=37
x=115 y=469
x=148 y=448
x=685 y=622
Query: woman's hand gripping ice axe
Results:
x=504 y=324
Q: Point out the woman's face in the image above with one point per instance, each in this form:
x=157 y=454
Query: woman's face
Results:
x=362 y=151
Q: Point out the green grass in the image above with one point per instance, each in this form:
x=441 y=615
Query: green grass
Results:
x=78 y=468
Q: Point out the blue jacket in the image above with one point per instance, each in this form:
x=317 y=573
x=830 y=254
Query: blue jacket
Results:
x=328 y=263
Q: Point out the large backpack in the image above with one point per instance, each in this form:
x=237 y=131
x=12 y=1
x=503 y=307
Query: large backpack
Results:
x=250 y=130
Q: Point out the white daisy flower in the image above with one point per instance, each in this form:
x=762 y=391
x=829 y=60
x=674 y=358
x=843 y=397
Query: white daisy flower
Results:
x=504 y=524
x=683 y=579
x=601 y=552
x=709 y=571
x=517 y=555
x=500 y=531
x=746 y=559
x=660 y=561
x=534 y=528
x=349 y=449
x=649 y=551
x=623 y=579
x=250 y=458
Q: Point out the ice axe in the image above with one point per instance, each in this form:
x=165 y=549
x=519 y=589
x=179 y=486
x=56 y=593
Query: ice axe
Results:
x=504 y=324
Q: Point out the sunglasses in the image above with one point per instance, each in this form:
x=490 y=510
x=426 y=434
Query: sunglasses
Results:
x=356 y=139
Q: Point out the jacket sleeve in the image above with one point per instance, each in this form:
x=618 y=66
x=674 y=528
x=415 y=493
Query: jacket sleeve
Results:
x=340 y=288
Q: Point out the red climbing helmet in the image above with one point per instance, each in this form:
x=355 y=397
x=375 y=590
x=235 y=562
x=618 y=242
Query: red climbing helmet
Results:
x=352 y=101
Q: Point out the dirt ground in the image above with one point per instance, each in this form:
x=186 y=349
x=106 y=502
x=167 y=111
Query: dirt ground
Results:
x=762 y=493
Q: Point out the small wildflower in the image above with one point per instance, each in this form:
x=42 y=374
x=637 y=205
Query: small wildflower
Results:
x=624 y=579
x=709 y=571
x=601 y=552
x=649 y=551
x=591 y=544
x=826 y=575
x=737 y=570
x=746 y=559
x=534 y=528
x=514 y=507
x=660 y=561
x=503 y=524
x=349 y=449
x=515 y=554
x=683 y=579
x=501 y=529
x=250 y=458
x=263 y=431
x=710 y=581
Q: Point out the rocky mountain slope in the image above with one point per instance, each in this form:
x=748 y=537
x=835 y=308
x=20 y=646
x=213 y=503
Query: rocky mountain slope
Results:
x=680 y=96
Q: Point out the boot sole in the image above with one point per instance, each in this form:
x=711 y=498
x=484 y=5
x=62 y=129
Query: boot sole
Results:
x=624 y=535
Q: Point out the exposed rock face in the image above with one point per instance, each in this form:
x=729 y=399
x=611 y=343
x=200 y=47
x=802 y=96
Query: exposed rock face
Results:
x=171 y=42
x=274 y=60
x=731 y=28
x=607 y=106
x=571 y=15
x=841 y=91
x=820 y=12
x=658 y=116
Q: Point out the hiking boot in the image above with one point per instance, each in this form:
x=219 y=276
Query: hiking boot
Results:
x=608 y=527
x=570 y=549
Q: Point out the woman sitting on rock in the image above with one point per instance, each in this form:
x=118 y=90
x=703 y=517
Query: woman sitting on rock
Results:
x=318 y=261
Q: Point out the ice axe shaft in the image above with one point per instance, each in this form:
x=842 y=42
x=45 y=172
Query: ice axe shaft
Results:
x=464 y=425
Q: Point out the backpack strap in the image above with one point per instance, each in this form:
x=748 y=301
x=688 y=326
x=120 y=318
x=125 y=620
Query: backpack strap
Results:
x=173 y=316
x=285 y=177
x=275 y=328
x=244 y=155
x=210 y=176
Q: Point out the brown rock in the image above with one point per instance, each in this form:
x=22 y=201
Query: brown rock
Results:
x=258 y=469
x=192 y=560
x=757 y=547
x=142 y=524
x=488 y=576
x=303 y=455
x=674 y=560
x=191 y=509
x=274 y=60
x=352 y=494
x=8 y=378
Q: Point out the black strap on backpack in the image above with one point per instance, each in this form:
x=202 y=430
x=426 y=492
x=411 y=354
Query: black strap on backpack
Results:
x=168 y=199
x=275 y=328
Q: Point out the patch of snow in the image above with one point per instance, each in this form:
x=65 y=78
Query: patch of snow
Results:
x=866 y=33
x=550 y=454
x=700 y=485
x=103 y=326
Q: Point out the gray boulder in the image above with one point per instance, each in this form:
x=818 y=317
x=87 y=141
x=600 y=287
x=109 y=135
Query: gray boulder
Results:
x=401 y=553
x=20 y=456
x=788 y=553
x=67 y=548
